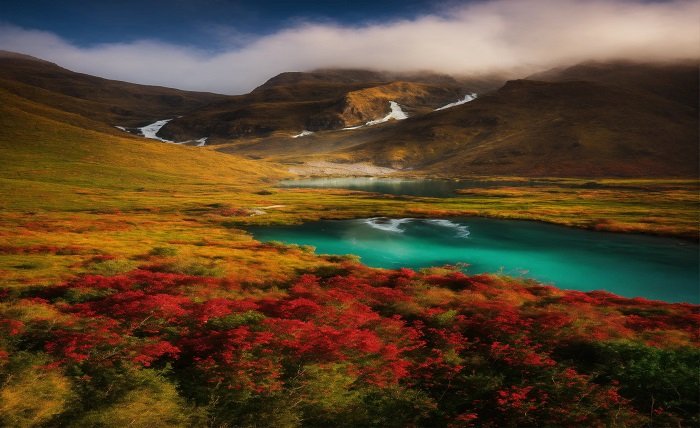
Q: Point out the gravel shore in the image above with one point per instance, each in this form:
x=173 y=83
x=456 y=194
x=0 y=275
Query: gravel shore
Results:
x=320 y=168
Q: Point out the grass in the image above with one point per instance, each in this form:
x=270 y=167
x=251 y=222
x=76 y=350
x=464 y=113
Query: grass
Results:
x=136 y=228
x=65 y=184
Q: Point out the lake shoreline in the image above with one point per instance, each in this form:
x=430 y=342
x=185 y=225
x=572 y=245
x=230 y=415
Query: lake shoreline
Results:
x=574 y=260
x=547 y=200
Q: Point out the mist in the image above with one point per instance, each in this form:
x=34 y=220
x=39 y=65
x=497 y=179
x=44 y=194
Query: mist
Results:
x=492 y=36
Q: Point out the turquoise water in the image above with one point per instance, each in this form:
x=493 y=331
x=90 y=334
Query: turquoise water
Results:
x=414 y=187
x=628 y=265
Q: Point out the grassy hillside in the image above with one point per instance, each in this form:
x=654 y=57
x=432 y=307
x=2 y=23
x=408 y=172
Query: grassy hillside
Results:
x=54 y=154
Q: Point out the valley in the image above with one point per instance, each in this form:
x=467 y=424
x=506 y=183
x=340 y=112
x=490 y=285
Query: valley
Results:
x=218 y=279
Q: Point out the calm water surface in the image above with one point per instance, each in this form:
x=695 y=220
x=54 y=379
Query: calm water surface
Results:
x=629 y=265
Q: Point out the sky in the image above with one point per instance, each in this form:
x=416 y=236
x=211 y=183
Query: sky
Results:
x=205 y=24
x=232 y=46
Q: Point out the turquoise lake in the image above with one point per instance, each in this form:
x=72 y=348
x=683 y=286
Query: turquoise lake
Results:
x=628 y=265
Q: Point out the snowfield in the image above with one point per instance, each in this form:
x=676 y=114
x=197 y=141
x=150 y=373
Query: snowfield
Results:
x=150 y=131
x=466 y=99
x=303 y=133
x=396 y=113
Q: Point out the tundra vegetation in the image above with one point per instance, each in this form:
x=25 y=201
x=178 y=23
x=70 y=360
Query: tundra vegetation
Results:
x=131 y=295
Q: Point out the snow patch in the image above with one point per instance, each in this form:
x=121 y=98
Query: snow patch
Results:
x=387 y=224
x=150 y=131
x=303 y=133
x=466 y=99
x=396 y=113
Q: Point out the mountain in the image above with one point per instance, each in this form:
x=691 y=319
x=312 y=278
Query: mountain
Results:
x=107 y=101
x=675 y=81
x=319 y=100
x=592 y=119
x=614 y=119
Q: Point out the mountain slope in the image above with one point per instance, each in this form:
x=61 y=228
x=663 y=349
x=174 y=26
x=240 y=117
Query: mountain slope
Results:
x=108 y=101
x=624 y=121
x=315 y=101
x=537 y=128
x=62 y=159
x=673 y=81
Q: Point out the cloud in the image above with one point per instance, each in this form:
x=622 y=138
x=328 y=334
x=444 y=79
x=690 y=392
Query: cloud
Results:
x=483 y=37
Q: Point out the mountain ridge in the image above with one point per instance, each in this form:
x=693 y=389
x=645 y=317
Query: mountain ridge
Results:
x=110 y=101
x=591 y=119
x=560 y=127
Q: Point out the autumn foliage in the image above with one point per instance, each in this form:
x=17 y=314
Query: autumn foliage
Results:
x=354 y=347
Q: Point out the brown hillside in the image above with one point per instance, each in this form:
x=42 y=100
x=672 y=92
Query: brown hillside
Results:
x=108 y=101
x=673 y=81
x=320 y=100
x=540 y=128
x=625 y=120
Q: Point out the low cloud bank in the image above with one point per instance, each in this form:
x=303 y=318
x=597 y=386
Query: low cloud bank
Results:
x=500 y=35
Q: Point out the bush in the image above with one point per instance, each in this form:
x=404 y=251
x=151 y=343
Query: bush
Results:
x=153 y=402
x=194 y=268
x=112 y=267
x=32 y=395
x=31 y=265
x=163 y=251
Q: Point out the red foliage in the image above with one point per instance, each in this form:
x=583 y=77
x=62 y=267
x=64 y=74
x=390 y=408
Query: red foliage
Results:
x=221 y=334
x=11 y=327
x=152 y=351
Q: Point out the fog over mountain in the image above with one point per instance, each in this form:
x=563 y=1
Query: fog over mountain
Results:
x=470 y=38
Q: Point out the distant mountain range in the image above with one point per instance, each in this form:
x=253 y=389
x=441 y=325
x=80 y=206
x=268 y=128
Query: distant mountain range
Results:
x=593 y=119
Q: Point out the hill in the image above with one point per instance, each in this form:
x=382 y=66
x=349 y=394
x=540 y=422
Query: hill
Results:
x=624 y=120
x=107 y=101
x=62 y=159
x=675 y=81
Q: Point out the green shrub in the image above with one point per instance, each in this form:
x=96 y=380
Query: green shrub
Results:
x=163 y=251
x=32 y=395
x=236 y=320
x=152 y=402
x=195 y=268
x=112 y=267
